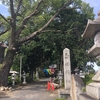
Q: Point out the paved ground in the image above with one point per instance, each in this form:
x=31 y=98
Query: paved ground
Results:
x=35 y=91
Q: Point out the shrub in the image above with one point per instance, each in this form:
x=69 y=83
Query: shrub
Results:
x=17 y=80
x=41 y=73
x=87 y=79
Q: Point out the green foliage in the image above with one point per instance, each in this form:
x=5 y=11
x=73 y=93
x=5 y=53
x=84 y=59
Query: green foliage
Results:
x=87 y=12
x=88 y=78
x=41 y=73
x=4 y=37
x=64 y=31
x=17 y=80
x=71 y=25
x=63 y=85
x=98 y=62
x=83 y=89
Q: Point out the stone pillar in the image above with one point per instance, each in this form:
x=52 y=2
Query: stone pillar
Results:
x=37 y=74
x=67 y=68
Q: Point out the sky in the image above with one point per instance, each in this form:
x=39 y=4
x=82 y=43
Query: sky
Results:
x=93 y=3
x=3 y=10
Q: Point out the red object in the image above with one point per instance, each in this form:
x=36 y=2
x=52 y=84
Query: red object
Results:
x=53 y=88
x=48 y=86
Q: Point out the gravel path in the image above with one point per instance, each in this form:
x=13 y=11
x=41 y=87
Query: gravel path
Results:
x=35 y=91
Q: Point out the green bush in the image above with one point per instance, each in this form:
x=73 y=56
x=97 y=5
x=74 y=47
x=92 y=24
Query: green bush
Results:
x=17 y=80
x=63 y=83
x=87 y=79
x=84 y=89
x=41 y=73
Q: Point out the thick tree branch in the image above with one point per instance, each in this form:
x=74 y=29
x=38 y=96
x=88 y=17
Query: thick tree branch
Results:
x=41 y=29
x=1 y=33
x=18 y=7
x=25 y=20
x=4 y=19
x=12 y=8
x=39 y=4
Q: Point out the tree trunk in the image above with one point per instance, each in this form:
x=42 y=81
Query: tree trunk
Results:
x=2 y=50
x=5 y=68
x=61 y=64
x=31 y=74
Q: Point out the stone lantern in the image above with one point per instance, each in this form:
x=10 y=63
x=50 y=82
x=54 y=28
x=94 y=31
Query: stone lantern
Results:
x=13 y=78
x=60 y=77
x=24 y=77
x=93 y=31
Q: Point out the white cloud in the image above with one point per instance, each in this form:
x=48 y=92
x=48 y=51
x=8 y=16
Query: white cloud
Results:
x=3 y=5
x=0 y=2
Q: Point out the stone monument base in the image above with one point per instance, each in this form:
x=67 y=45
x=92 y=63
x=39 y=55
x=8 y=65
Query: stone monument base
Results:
x=85 y=97
x=63 y=93
x=93 y=90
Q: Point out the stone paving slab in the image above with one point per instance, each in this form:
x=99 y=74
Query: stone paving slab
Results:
x=31 y=92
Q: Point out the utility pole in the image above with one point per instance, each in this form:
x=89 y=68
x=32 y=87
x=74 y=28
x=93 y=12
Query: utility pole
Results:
x=20 y=66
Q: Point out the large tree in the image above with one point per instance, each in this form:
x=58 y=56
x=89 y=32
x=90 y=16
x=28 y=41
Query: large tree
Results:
x=65 y=31
x=23 y=14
